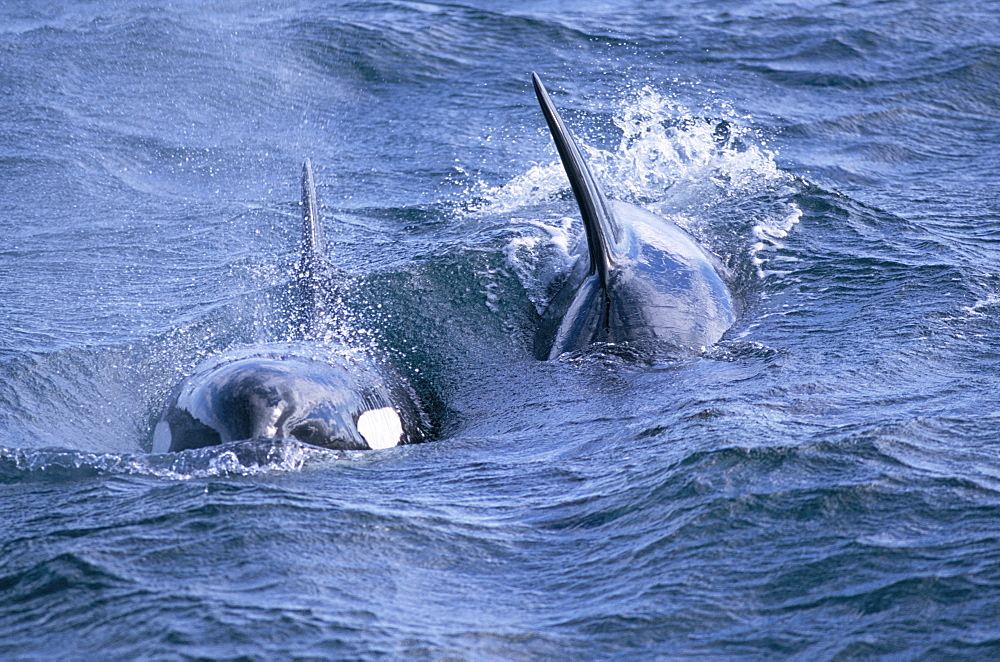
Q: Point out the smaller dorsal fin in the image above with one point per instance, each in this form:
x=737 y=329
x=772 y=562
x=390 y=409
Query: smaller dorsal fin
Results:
x=313 y=246
x=602 y=230
x=312 y=269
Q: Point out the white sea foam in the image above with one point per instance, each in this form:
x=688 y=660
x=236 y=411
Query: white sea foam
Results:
x=665 y=145
x=243 y=458
x=769 y=233
x=978 y=308
x=540 y=183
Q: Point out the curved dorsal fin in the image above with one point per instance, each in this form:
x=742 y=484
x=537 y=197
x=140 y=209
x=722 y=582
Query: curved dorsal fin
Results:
x=602 y=230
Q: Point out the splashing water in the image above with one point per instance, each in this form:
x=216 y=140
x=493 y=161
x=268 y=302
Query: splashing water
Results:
x=540 y=258
x=667 y=147
x=242 y=458
x=676 y=162
x=769 y=233
x=666 y=155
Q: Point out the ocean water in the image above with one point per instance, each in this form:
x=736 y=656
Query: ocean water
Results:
x=824 y=483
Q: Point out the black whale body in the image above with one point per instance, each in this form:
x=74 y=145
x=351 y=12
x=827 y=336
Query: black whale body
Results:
x=334 y=398
x=321 y=393
x=640 y=277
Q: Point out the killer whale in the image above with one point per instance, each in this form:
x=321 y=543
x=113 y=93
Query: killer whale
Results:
x=639 y=276
x=321 y=393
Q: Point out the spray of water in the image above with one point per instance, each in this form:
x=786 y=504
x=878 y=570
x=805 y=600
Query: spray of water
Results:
x=689 y=166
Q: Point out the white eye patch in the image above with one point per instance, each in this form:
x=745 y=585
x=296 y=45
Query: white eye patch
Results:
x=161 y=437
x=381 y=428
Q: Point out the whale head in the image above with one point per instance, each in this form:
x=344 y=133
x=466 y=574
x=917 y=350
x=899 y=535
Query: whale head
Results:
x=339 y=401
x=317 y=392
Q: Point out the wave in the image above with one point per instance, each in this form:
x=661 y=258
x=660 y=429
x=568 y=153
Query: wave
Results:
x=241 y=458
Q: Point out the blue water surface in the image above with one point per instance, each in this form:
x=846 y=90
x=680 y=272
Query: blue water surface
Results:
x=824 y=483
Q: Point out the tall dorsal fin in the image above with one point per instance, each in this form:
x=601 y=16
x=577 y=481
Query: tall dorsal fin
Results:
x=313 y=246
x=602 y=231
x=311 y=269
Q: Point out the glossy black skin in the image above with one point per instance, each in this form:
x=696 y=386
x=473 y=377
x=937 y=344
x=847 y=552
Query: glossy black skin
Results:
x=661 y=285
x=638 y=277
x=281 y=392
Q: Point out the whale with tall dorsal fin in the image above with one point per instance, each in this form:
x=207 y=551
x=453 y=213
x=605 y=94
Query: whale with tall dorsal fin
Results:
x=639 y=277
x=321 y=393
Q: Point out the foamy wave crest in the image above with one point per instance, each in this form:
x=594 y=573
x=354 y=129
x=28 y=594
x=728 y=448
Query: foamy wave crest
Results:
x=767 y=251
x=242 y=458
x=981 y=307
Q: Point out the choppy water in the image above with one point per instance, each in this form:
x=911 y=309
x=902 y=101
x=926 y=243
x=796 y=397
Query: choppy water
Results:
x=824 y=483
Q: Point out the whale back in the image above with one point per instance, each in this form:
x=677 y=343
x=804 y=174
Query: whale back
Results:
x=641 y=276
